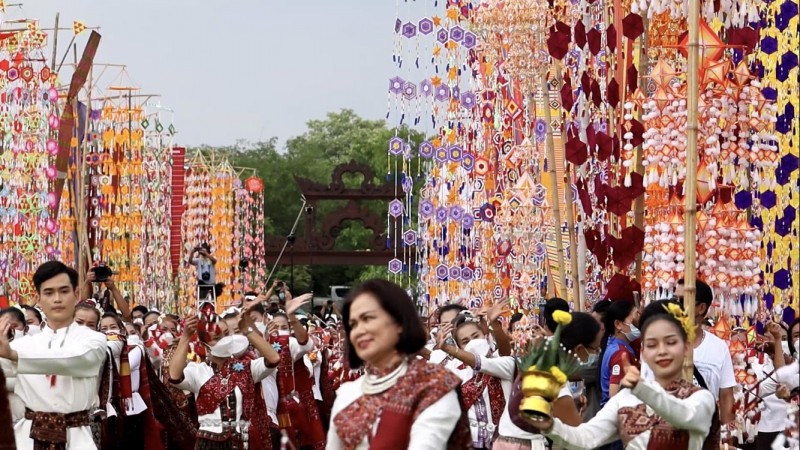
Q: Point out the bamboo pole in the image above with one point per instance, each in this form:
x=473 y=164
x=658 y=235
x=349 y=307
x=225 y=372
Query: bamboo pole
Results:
x=638 y=204
x=551 y=169
x=55 y=43
x=689 y=186
x=577 y=292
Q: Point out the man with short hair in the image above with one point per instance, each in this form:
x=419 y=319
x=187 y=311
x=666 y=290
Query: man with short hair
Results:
x=56 y=370
x=711 y=355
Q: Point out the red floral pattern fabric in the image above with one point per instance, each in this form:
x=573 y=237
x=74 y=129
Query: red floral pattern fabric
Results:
x=422 y=385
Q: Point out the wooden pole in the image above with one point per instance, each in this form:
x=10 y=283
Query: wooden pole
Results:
x=689 y=186
x=638 y=204
x=577 y=292
x=55 y=44
x=551 y=169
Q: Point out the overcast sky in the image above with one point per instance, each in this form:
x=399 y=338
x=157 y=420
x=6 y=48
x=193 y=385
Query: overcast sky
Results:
x=241 y=69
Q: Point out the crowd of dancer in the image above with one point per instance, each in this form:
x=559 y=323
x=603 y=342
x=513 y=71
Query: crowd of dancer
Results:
x=369 y=374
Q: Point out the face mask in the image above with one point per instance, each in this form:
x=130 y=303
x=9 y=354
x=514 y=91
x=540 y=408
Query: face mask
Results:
x=230 y=346
x=479 y=347
x=167 y=338
x=134 y=340
x=591 y=359
x=282 y=296
x=284 y=333
x=34 y=329
x=796 y=347
x=785 y=347
x=18 y=334
x=261 y=327
x=634 y=334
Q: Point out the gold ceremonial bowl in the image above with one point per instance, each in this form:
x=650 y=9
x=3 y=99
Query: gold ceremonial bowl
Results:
x=539 y=389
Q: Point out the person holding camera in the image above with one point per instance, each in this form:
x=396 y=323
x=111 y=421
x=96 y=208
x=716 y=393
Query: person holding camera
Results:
x=204 y=261
x=102 y=275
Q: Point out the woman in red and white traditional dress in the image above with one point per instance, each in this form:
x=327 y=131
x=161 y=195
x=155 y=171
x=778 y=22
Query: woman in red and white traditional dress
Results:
x=401 y=401
x=231 y=412
x=296 y=407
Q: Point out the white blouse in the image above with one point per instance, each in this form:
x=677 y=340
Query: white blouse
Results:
x=692 y=414
x=430 y=431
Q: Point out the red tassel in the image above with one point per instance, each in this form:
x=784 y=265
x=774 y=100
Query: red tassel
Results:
x=52 y=381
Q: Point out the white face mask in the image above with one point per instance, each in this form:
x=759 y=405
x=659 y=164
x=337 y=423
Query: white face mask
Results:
x=18 y=333
x=796 y=347
x=134 y=339
x=230 y=346
x=785 y=347
x=284 y=333
x=634 y=334
x=167 y=338
x=261 y=327
x=478 y=346
x=34 y=329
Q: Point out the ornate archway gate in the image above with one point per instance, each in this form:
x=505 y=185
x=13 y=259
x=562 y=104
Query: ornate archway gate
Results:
x=317 y=246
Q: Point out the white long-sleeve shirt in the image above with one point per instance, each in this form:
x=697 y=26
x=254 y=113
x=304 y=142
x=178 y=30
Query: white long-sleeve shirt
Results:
x=430 y=431
x=74 y=355
x=692 y=414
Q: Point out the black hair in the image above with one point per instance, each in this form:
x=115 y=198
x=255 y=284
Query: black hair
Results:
x=17 y=313
x=396 y=302
x=35 y=311
x=150 y=313
x=792 y=348
x=140 y=308
x=250 y=294
x=52 y=269
x=552 y=305
x=703 y=293
x=449 y=307
x=516 y=317
x=582 y=330
x=601 y=306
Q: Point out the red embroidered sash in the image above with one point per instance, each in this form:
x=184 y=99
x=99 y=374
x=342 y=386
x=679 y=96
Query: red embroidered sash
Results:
x=254 y=410
x=474 y=388
x=398 y=407
x=297 y=409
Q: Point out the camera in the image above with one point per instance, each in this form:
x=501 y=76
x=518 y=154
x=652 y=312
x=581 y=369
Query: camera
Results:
x=279 y=285
x=102 y=273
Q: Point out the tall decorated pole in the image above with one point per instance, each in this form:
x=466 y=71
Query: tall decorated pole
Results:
x=689 y=186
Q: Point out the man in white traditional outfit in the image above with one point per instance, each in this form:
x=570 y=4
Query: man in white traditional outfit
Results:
x=56 y=370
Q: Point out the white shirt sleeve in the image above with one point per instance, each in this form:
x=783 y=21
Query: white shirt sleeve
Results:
x=601 y=430
x=82 y=362
x=259 y=369
x=789 y=375
x=193 y=378
x=502 y=367
x=727 y=379
x=433 y=427
x=692 y=413
x=298 y=351
x=9 y=370
x=135 y=362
